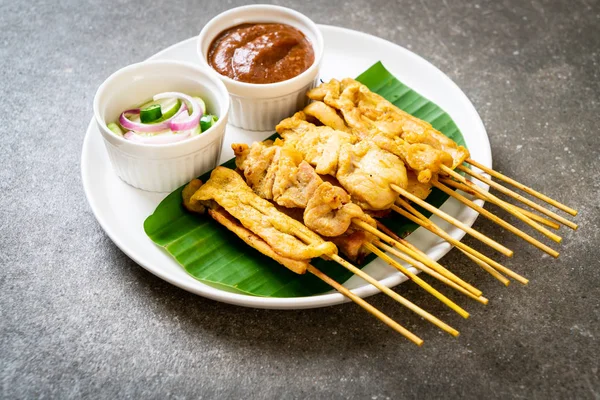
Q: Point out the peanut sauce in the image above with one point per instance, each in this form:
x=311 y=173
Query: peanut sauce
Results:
x=261 y=53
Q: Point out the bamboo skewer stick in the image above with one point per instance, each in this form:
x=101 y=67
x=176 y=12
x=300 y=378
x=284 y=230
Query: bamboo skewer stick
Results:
x=527 y=213
x=495 y=219
x=428 y=271
x=524 y=188
x=537 y=218
x=384 y=289
x=460 y=311
x=424 y=259
x=499 y=267
x=411 y=306
x=433 y=228
x=506 y=206
x=481 y=263
x=487 y=268
x=518 y=197
x=495 y=245
x=366 y=306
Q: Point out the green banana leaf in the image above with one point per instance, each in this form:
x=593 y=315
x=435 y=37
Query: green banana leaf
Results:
x=213 y=255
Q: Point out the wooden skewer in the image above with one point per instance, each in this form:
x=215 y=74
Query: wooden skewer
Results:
x=428 y=271
x=518 y=197
x=506 y=206
x=366 y=306
x=527 y=213
x=495 y=219
x=411 y=306
x=424 y=259
x=481 y=263
x=460 y=311
x=433 y=228
x=537 y=218
x=524 y=188
x=384 y=289
x=487 y=268
x=499 y=267
x=495 y=245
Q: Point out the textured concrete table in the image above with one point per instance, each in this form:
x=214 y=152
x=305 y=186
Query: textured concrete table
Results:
x=78 y=318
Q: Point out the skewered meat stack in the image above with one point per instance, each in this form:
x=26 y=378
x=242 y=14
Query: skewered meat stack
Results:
x=372 y=176
x=278 y=173
x=348 y=157
x=358 y=124
x=262 y=226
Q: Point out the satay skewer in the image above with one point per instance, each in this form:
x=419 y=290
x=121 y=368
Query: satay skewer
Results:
x=524 y=188
x=527 y=213
x=409 y=274
x=384 y=289
x=411 y=306
x=506 y=206
x=350 y=267
x=495 y=219
x=320 y=195
x=427 y=270
x=518 y=197
x=481 y=263
x=259 y=244
x=341 y=96
x=366 y=306
x=228 y=199
x=492 y=243
x=418 y=256
x=496 y=265
x=433 y=228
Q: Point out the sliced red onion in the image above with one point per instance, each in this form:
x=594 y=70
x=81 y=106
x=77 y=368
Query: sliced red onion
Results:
x=187 y=123
x=147 y=128
x=158 y=139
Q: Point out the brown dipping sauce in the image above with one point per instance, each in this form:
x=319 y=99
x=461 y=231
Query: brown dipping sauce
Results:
x=261 y=53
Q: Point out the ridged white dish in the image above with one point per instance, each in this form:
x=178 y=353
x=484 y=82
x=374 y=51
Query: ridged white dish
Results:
x=347 y=53
x=259 y=107
x=265 y=114
x=165 y=167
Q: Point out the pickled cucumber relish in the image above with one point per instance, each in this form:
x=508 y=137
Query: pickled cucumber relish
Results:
x=168 y=118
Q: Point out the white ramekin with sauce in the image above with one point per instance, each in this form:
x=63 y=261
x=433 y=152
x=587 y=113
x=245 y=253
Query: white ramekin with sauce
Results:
x=260 y=106
x=161 y=167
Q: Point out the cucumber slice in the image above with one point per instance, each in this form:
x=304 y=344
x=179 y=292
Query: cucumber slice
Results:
x=202 y=104
x=168 y=108
x=171 y=111
x=207 y=121
x=115 y=128
x=197 y=130
x=150 y=114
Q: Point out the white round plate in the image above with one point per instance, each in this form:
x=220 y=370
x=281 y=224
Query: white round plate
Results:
x=347 y=54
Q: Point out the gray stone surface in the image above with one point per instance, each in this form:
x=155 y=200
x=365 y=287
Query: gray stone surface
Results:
x=80 y=319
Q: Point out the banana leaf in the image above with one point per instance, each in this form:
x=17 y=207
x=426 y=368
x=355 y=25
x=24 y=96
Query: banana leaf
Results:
x=213 y=255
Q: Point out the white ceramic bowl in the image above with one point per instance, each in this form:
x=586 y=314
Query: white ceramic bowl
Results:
x=165 y=167
x=259 y=107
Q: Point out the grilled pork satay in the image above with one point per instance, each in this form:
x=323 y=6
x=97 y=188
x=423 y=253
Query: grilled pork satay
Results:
x=322 y=147
x=365 y=171
x=227 y=189
x=377 y=174
x=258 y=222
x=290 y=181
x=279 y=173
x=422 y=158
x=369 y=116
